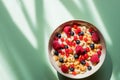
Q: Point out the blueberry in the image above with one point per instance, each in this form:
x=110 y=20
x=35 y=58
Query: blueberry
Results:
x=77 y=41
x=66 y=47
x=58 y=35
x=81 y=33
x=71 y=69
x=76 y=56
x=61 y=60
x=92 y=46
x=56 y=53
x=83 y=62
x=72 y=33
x=89 y=67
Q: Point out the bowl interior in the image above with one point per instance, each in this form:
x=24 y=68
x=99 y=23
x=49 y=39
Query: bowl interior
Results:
x=102 y=41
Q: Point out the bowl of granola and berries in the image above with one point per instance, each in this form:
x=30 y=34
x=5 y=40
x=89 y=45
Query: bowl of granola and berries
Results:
x=76 y=49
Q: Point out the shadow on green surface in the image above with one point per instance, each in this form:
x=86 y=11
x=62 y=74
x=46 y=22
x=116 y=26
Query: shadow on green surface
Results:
x=26 y=62
x=104 y=73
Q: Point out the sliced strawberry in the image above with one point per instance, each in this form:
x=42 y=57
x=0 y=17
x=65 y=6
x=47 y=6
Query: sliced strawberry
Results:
x=64 y=68
x=56 y=45
x=95 y=37
x=95 y=59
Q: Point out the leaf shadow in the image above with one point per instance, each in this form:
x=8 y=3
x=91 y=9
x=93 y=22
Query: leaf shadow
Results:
x=26 y=62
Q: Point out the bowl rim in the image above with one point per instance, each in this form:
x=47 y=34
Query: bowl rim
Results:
x=102 y=58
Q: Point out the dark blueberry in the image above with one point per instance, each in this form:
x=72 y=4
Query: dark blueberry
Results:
x=72 y=33
x=76 y=56
x=66 y=47
x=81 y=33
x=89 y=67
x=83 y=62
x=58 y=35
x=61 y=60
x=56 y=53
x=77 y=41
x=92 y=46
x=71 y=69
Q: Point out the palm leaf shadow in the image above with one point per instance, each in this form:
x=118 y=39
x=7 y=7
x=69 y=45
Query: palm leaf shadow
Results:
x=18 y=49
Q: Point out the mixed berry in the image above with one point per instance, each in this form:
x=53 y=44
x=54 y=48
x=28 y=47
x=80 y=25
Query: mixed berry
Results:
x=76 y=49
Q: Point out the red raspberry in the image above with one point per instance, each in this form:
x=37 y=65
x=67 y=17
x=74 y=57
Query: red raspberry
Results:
x=95 y=59
x=56 y=45
x=95 y=37
x=67 y=30
x=78 y=49
x=64 y=68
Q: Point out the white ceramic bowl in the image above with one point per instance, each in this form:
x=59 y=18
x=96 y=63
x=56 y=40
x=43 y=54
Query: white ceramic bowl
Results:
x=102 y=41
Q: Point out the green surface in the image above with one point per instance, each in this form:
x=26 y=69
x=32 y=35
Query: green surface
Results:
x=24 y=54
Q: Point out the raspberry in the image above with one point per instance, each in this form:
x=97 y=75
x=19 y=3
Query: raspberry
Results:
x=78 y=49
x=64 y=68
x=56 y=45
x=67 y=30
x=95 y=37
x=95 y=59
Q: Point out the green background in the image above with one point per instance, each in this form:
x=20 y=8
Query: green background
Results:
x=24 y=48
